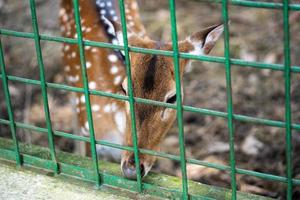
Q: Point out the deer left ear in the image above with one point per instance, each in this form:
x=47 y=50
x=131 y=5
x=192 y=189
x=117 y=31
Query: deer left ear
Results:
x=203 y=41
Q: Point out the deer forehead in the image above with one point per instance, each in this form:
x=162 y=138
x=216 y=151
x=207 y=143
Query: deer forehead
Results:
x=152 y=76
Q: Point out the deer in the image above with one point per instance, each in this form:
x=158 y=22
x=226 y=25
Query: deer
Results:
x=152 y=78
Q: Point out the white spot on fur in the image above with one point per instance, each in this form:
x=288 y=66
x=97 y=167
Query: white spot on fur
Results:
x=107 y=108
x=102 y=4
x=112 y=12
x=117 y=80
x=120 y=119
x=113 y=107
x=92 y=85
x=109 y=4
x=62 y=11
x=67 y=47
x=73 y=54
x=88 y=30
x=134 y=5
x=103 y=12
x=94 y=50
x=95 y=108
x=115 y=41
x=82 y=99
x=73 y=79
x=112 y=58
x=115 y=18
x=114 y=69
x=88 y=64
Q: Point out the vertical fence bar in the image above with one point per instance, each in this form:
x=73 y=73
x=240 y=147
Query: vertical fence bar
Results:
x=9 y=106
x=131 y=96
x=185 y=194
x=229 y=98
x=43 y=83
x=86 y=91
x=288 y=115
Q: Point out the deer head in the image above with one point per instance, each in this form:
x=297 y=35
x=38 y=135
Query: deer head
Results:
x=153 y=78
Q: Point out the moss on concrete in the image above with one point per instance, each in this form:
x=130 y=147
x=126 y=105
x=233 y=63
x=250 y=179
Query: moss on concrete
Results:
x=17 y=183
x=154 y=184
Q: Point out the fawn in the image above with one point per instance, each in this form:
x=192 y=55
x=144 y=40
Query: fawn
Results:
x=152 y=77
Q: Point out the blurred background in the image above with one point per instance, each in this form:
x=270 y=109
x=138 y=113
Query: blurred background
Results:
x=255 y=35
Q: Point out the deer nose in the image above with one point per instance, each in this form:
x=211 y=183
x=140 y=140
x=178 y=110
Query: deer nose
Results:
x=129 y=169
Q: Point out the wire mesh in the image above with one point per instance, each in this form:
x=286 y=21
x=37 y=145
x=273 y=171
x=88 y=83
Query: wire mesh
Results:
x=286 y=68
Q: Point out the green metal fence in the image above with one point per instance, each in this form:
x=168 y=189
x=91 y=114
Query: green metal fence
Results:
x=55 y=165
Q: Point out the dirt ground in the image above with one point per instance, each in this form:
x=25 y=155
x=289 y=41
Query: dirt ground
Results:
x=255 y=35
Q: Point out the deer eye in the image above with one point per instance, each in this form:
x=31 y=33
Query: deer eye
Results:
x=171 y=99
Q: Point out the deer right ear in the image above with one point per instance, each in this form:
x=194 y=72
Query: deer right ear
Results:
x=203 y=41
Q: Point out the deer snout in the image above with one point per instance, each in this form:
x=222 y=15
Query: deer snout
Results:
x=129 y=169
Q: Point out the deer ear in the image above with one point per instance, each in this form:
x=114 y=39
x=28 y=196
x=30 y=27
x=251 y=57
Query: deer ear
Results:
x=203 y=41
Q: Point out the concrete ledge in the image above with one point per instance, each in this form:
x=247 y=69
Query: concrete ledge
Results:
x=18 y=183
x=158 y=185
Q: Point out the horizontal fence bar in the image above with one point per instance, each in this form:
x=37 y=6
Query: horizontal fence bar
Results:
x=80 y=167
x=216 y=59
x=254 y=4
x=44 y=130
x=261 y=175
x=202 y=111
